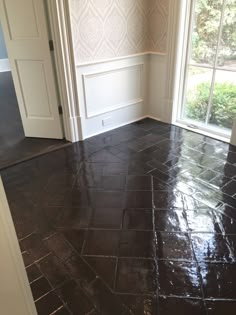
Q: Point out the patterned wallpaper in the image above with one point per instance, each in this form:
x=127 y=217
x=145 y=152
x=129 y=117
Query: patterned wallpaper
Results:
x=105 y=29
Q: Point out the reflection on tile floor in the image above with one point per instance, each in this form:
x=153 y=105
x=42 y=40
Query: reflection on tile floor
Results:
x=139 y=220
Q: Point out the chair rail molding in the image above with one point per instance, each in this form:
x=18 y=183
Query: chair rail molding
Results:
x=59 y=18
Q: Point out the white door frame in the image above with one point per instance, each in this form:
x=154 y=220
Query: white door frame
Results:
x=59 y=16
x=59 y=19
x=15 y=292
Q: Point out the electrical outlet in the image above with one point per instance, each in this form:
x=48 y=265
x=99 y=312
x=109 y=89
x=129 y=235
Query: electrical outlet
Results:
x=106 y=121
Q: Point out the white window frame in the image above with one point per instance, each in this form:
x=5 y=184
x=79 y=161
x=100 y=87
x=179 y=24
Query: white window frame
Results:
x=182 y=56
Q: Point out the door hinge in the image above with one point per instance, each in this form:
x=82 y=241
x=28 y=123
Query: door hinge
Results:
x=51 y=45
x=60 y=110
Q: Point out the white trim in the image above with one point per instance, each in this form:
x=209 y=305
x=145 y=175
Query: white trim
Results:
x=112 y=108
x=59 y=17
x=15 y=292
x=4 y=65
x=131 y=102
x=202 y=132
x=233 y=135
x=95 y=62
x=115 y=127
x=173 y=61
x=182 y=55
x=154 y=118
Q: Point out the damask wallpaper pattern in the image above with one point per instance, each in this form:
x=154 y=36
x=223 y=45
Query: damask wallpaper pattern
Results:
x=105 y=29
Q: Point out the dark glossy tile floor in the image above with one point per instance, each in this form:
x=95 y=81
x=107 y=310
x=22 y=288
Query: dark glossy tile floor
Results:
x=14 y=147
x=139 y=220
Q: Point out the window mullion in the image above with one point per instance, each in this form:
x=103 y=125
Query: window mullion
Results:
x=215 y=64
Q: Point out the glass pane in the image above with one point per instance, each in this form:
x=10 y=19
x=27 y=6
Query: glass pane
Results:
x=227 y=48
x=205 y=31
x=223 y=110
x=197 y=93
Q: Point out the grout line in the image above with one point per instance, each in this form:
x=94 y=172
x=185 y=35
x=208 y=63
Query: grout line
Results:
x=115 y=275
x=42 y=276
x=41 y=297
x=155 y=241
x=54 y=312
x=199 y=274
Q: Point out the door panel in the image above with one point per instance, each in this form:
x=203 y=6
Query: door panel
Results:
x=35 y=91
x=15 y=293
x=24 y=25
x=25 y=29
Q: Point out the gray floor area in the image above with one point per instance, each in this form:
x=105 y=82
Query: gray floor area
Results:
x=14 y=147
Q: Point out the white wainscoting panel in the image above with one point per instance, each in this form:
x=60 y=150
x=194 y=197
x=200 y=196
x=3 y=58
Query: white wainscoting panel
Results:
x=112 y=93
x=113 y=89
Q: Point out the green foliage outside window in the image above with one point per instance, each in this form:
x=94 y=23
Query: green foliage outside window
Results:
x=206 y=31
x=223 y=109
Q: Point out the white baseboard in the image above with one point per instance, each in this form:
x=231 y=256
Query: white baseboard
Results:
x=115 y=127
x=75 y=124
x=4 y=65
x=154 y=118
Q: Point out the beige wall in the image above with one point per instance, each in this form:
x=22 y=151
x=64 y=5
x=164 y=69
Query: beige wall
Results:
x=104 y=29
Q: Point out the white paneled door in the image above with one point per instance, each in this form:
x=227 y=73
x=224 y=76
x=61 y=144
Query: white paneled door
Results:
x=15 y=293
x=25 y=28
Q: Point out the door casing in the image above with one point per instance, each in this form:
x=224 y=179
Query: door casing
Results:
x=15 y=292
x=59 y=19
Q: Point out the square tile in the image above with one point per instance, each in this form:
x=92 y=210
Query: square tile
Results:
x=221 y=307
x=59 y=246
x=103 y=243
x=79 y=303
x=105 y=218
x=74 y=217
x=104 y=300
x=39 y=288
x=139 y=183
x=33 y=272
x=80 y=271
x=108 y=199
x=170 y=221
x=48 y=304
x=136 y=276
x=139 y=304
x=202 y=220
x=139 y=199
x=174 y=246
x=35 y=246
x=219 y=280
x=78 y=199
x=172 y=305
x=179 y=279
x=75 y=238
x=53 y=270
x=137 y=244
x=138 y=219
x=211 y=247
x=225 y=222
x=104 y=267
